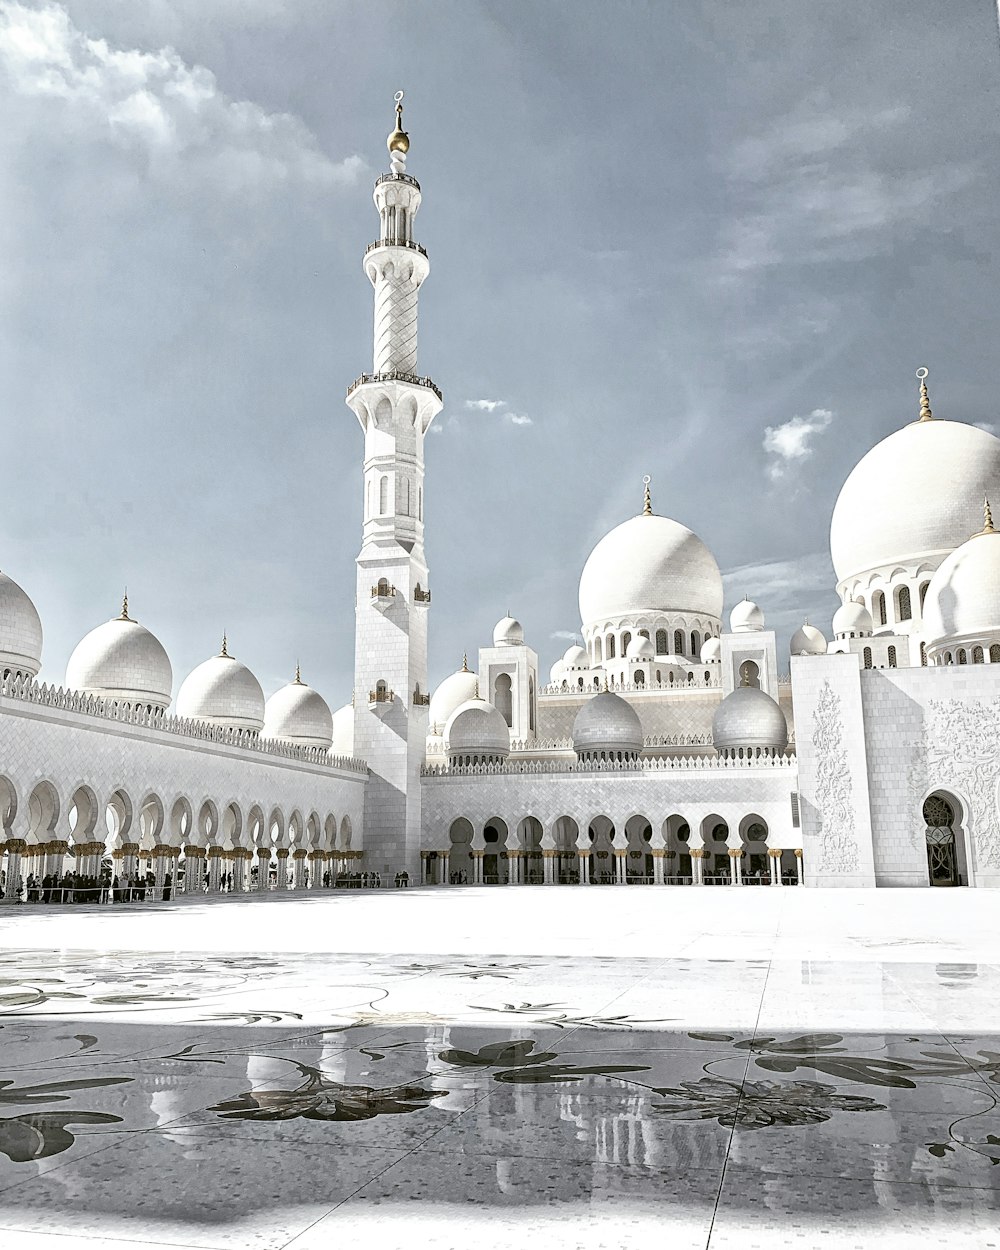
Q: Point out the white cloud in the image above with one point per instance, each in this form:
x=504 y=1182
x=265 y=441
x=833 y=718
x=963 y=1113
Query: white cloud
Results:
x=501 y=408
x=565 y=635
x=792 y=441
x=813 y=191
x=154 y=105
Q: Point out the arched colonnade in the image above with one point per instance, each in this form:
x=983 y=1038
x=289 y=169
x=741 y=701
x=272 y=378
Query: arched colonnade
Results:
x=602 y=850
x=198 y=842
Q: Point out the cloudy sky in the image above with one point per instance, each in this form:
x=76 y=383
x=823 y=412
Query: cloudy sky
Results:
x=705 y=240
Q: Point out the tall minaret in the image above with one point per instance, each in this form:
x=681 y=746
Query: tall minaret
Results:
x=395 y=407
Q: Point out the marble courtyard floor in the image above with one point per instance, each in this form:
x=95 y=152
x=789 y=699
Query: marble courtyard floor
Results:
x=507 y=1067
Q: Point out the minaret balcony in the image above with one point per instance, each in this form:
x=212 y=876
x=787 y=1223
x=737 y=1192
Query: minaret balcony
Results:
x=422 y=597
x=383 y=594
x=414 y=247
x=397 y=177
x=395 y=376
x=380 y=695
x=420 y=699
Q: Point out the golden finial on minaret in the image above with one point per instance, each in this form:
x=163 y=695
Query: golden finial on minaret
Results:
x=925 y=403
x=225 y=645
x=465 y=662
x=647 y=499
x=987 y=518
x=298 y=674
x=125 y=616
x=399 y=140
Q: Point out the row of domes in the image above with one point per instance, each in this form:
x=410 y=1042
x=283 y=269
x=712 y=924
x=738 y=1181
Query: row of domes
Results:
x=123 y=661
x=607 y=727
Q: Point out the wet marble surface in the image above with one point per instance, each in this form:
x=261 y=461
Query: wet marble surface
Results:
x=549 y=1081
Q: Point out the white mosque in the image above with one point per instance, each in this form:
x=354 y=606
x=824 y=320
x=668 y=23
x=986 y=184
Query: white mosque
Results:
x=667 y=750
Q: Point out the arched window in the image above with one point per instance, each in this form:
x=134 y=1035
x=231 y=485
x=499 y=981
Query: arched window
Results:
x=639 y=678
x=961 y=655
x=923 y=655
x=503 y=699
x=868 y=657
x=611 y=646
x=995 y=654
x=695 y=643
x=892 y=657
x=626 y=639
x=644 y=633
x=904 y=611
x=368 y=499
x=382 y=587
x=383 y=496
x=531 y=704
x=878 y=608
x=977 y=655
x=598 y=651
x=923 y=594
x=661 y=642
x=750 y=674
x=678 y=642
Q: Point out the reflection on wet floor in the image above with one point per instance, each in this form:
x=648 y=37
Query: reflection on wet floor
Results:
x=227 y=1100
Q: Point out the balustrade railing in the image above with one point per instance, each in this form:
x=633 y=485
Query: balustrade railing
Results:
x=395 y=375
x=414 y=247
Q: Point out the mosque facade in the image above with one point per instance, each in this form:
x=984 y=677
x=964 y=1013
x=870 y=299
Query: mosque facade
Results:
x=670 y=748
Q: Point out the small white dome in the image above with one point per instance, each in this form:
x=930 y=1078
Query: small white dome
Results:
x=606 y=722
x=963 y=599
x=711 y=651
x=914 y=496
x=646 y=565
x=749 y=718
x=808 y=640
x=508 y=633
x=223 y=692
x=640 y=648
x=576 y=657
x=343 y=731
x=557 y=672
x=746 y=617
x=296 y=713
x=477 y=729
x=20 y=630
x=121 y=660
x=450 y=694
x=852 y=618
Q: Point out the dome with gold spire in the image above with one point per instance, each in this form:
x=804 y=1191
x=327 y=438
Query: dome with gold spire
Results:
x=911 y=499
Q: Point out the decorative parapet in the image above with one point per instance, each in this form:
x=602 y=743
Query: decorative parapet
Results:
x=421 y=596
x=414 y=247
x=395 y=375
x=383 y=592
x=420 y=699
x=397 y=177
x=669 y=763
x=24 y=690
x=677 y=687
x=380 y=695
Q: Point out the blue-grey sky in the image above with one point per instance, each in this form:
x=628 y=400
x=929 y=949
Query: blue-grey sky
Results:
x=709 y=241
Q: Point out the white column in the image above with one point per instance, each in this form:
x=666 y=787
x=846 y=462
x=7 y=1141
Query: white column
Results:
x=798 y=864
x=697 y=865
x=659 y=861
x=282 y=854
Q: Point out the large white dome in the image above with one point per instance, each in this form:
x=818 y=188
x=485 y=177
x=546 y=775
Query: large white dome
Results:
x=20 y=630
x=343 y=730
x=649 y=564
x=963 y=599
x=121 y=660
x=914 y=496
x=296 y=713
x=223 y=692
x=450 y=694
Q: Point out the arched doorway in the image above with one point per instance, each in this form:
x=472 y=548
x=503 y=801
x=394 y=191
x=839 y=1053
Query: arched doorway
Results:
x=944 y=841
x=495 y=862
